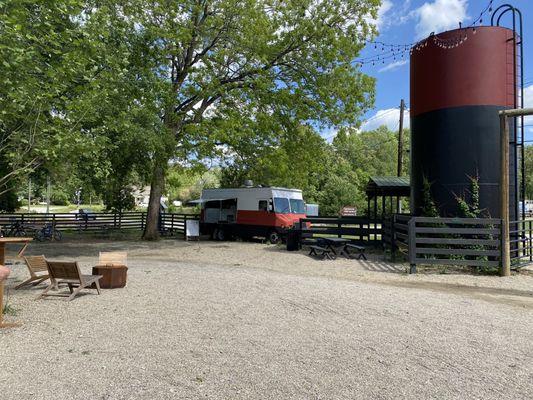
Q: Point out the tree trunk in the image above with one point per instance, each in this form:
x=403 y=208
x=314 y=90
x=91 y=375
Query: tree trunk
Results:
x=151 y=230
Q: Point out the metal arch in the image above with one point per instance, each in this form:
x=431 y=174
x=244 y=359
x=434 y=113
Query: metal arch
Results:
x=500 y=12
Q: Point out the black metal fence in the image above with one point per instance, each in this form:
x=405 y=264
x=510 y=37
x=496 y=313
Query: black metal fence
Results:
x=521 y=244
x=170 y=223
x=475 y=242
x=362 y=230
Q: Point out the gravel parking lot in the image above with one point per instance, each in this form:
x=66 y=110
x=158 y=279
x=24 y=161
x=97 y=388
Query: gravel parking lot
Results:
x=251 y=321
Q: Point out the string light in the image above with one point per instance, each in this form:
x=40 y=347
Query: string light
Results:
x=394 y=51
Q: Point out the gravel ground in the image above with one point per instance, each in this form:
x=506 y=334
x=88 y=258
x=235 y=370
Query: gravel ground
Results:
x=250 y=321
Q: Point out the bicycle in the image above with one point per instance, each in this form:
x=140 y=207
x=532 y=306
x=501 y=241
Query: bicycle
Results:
x=48 y=232
x=16 y=229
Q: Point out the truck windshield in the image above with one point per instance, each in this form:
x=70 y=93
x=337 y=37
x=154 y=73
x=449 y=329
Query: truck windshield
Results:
x=297 y=206
x=281 y=205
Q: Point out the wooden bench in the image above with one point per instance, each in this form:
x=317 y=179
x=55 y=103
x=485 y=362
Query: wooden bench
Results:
x=318 y=251
x=360 y=251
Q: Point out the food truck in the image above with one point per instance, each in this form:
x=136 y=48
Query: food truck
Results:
x=247 y=212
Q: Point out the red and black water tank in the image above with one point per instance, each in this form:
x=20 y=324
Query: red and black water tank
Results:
x=460 y=79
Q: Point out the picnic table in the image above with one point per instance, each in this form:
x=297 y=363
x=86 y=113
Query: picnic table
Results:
x=3 y=241
x=330 y=248
x=334 y=244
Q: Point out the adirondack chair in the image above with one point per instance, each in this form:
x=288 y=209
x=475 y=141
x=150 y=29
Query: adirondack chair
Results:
x=69 y=273
x=38 y=270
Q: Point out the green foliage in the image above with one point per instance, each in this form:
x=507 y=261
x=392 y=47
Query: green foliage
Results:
x=60 y=198
x=119 y=198
x=528 y=160
x=9 y=201
x=332 y=175
x=186 y=184
x=428 y=207
x=99 y=93
x=468 y=203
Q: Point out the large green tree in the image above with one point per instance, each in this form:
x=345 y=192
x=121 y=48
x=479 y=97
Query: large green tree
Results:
x=243 y=68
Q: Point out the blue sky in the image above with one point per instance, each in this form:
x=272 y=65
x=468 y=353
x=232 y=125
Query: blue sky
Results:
x=405 y=21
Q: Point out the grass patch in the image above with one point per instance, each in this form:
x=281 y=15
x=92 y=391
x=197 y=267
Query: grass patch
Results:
x=10 y=310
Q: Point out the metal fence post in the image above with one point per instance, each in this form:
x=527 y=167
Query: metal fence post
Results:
x=393 y=238
x=412 y=245
x=530 y=243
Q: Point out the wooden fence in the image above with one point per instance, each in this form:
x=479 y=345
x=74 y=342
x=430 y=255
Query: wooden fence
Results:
x=170 y=223
x=362 y=230
x=446 y=241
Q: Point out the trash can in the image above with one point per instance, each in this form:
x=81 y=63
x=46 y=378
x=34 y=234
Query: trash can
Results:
x=293 y=239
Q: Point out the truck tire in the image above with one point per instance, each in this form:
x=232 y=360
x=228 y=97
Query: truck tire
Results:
x=274 y=237
x=220 y=234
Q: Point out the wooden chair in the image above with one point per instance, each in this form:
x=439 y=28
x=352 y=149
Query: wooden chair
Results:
x=111 y=258
x=69 y=272
x=38 y=270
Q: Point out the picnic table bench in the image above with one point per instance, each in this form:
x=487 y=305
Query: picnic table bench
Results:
x=360 y=251
x=331 y=247
x=323 y=252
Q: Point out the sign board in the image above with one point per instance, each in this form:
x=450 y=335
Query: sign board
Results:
x=348 y=211
x=192 y=228
x=311 y=210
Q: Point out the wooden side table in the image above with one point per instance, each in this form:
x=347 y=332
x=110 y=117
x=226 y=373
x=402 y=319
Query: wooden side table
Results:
x=113 y=275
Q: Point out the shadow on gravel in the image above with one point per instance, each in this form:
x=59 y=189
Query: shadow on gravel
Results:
x=513 y=297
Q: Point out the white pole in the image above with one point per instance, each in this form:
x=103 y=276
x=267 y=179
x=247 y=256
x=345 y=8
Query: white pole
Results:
x=48 y=190
x=29 y=194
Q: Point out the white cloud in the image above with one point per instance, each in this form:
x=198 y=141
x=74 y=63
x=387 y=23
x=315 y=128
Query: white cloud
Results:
x=528 y=96
x=389 y=117
x=439 y=16
x=381 y=20
x=394 y=65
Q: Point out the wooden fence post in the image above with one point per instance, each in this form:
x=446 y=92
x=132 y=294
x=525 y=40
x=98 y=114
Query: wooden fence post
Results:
x=412 y=245
x=184 y=226
x=505 y=268
x=142 y=220
x=339 y=227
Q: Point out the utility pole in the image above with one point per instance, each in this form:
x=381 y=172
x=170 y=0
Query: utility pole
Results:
x=400 y=139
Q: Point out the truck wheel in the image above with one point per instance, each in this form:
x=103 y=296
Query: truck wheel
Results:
x=220 y=234
x=273 y=237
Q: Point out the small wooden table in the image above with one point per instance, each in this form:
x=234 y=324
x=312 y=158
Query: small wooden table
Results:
x=3 y=241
